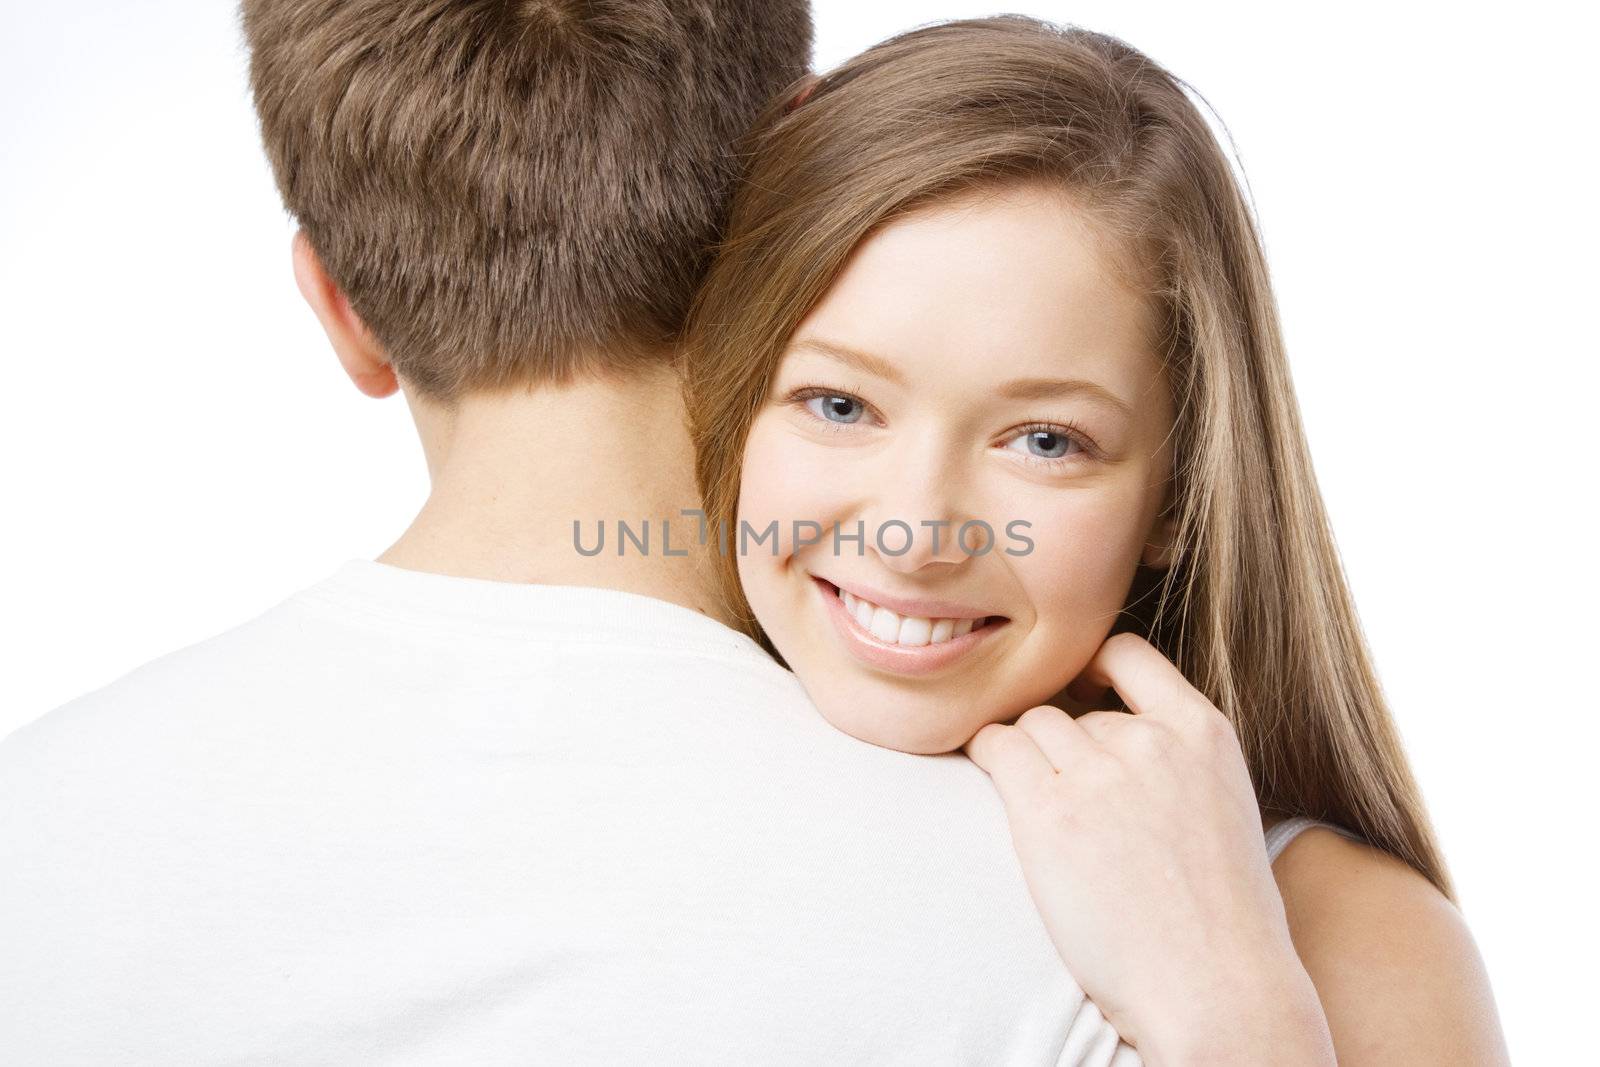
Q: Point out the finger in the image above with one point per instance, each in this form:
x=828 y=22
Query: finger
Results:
x=1010 y=757
x=1056 y=734
x=1147 y=682
x=1101 y=726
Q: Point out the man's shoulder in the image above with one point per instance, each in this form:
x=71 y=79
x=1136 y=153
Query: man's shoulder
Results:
x=149 y=699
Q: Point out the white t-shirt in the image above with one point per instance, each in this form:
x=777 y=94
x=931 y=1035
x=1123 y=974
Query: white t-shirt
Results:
x=403 y=818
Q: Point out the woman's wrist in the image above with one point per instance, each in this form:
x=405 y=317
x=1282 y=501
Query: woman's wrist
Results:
x=1273 y=1020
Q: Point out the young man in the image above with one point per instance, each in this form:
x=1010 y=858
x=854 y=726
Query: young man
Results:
x=488 y=798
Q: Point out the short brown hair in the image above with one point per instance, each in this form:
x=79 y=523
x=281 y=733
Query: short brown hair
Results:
x=512 y=193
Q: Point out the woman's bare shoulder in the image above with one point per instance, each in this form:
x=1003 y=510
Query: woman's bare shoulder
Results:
x=1398 y=973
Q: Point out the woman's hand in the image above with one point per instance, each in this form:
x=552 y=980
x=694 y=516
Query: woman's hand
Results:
x=1141 y=843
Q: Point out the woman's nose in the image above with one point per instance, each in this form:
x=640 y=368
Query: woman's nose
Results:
x=916 y=514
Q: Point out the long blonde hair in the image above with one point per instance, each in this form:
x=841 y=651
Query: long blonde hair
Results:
x=1254 y=608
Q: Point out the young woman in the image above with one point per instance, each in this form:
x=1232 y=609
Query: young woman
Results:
x=993 y=409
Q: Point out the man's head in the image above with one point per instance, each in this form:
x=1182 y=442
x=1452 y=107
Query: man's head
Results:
x=496 y=193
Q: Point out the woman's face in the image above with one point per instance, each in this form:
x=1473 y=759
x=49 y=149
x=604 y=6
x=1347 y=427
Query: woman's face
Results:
x=976 y=363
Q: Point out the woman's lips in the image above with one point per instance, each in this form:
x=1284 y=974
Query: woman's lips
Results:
x=891 y=656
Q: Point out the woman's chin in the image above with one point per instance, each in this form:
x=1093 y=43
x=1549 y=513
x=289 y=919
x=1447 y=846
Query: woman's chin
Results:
x=927 y=718
x=911 y=730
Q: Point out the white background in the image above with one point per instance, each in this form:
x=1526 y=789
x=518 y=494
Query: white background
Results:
x=181 y=450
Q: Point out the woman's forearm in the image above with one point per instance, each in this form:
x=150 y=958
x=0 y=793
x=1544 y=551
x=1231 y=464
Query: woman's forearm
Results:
x=1273 y=1020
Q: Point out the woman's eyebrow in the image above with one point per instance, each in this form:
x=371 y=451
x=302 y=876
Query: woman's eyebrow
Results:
x=1016 y=389
x=1049 y=388
x=865 y=362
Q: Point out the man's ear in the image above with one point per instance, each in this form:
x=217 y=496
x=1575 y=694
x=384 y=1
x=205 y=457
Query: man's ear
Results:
x=362 y=357
x=807 y=84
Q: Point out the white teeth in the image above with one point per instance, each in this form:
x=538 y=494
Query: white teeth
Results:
x=885 y=625
x=915 y=632
x=909 y=630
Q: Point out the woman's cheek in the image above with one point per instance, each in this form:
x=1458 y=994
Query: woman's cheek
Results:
x=1079 y=570
x=784 y=480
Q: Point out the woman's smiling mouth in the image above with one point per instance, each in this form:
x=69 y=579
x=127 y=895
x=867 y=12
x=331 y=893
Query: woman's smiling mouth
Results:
x=903 y=643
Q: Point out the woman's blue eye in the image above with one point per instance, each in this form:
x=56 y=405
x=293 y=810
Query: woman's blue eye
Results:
x=1042 y=443
x=1048 y=445
x=836 y=408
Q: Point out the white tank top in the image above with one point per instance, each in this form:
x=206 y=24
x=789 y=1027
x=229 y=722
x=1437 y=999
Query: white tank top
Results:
x=1279 y=836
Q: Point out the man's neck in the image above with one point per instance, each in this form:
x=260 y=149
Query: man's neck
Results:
x=513 y=472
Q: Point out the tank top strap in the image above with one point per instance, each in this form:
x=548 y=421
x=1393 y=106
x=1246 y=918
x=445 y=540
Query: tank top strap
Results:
x=1279 y=836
